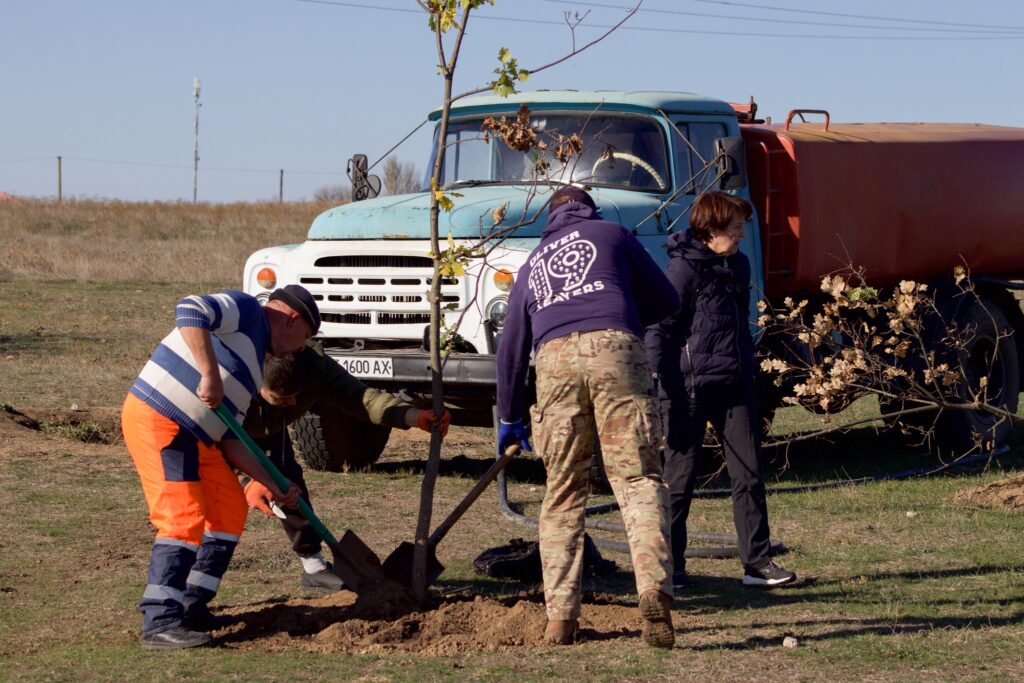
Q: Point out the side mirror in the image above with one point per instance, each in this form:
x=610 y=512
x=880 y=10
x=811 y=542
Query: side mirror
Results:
x=364 y=186
x=732 y=163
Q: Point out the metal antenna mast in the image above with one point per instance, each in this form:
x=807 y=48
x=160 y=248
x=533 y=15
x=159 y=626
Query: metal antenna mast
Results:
x=195 y=161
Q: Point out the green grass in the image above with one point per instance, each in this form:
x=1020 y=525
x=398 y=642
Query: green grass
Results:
x=931 y=596
x=86 y=433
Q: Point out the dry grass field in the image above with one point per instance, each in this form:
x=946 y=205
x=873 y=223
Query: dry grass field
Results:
x=900 y=581
x=108 y=241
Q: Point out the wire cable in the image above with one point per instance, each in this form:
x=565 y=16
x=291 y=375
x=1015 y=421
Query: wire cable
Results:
x=724 y=545
x=665 y=29
x=734 y=17
x=851 y=16
x=22 y=161
x=121 y=162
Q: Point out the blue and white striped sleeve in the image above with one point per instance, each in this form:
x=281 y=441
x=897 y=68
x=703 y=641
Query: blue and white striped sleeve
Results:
x=196 y=311
x=224 y=312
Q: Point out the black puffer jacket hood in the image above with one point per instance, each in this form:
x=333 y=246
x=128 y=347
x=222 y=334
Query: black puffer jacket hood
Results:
x=708 y=341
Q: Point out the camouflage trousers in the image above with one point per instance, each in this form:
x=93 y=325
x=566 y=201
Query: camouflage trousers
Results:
x=597 y=384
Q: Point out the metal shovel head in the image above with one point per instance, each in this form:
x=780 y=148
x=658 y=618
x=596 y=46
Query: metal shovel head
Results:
x=398 y=565
x=354 y=562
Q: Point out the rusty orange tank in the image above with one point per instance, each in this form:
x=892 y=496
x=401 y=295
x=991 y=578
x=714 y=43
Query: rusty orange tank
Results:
x=903 y=200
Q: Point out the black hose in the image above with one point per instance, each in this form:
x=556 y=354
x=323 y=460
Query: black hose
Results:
x=727 y=545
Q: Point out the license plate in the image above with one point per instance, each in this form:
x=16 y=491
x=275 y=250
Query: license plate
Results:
x=369 y=367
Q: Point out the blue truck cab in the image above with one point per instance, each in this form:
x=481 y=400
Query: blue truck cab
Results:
x=645 y=156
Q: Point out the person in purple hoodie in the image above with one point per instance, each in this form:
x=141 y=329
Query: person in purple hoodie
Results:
x=703 y=357
x=581 y=303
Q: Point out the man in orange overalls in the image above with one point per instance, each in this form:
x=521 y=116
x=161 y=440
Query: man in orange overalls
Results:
x=182 y=450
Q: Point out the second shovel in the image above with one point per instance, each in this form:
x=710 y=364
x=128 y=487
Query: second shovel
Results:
x=398 y=565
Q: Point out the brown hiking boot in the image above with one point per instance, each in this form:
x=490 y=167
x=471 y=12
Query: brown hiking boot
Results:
x=561 y=631
x=656 y=611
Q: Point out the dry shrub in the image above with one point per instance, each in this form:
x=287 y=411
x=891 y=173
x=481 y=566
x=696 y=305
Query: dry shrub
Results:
x=143 y=241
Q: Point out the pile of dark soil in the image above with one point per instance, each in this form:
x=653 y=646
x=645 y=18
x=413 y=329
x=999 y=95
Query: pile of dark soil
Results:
x=1005 y=494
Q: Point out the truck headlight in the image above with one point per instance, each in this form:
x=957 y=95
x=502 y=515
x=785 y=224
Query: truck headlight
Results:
x=496 y=311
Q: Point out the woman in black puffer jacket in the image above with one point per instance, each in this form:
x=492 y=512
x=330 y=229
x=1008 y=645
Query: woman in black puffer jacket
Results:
x=703 y=359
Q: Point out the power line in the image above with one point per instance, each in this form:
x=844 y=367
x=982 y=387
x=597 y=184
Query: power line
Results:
x=21 y=161
x=121 y=162
x=357 y=5
x=126 y=163
x=775 y=21
x=853 y=16
x=661 y=29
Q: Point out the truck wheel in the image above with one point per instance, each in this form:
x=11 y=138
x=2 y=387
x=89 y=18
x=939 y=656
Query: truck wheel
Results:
x=991 y=353
x=338 y=443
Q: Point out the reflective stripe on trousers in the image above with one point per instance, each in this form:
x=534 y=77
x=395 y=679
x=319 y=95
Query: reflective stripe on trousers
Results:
x=196 y=505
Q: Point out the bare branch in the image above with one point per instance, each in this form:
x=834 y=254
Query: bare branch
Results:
x=565 y=57
x=569 y=15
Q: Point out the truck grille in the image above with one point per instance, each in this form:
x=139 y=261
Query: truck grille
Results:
x=347 y=318
x=382 y=261
x=382 y=289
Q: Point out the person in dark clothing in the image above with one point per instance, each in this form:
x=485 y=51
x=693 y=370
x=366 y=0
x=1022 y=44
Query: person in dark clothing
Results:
x=581 y=302
x=291 y=386
x=703 y=360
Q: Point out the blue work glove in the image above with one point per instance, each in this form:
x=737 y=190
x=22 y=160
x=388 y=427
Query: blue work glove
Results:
x=512 y=432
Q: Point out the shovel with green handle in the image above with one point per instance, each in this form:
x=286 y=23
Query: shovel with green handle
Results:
x=354 y=562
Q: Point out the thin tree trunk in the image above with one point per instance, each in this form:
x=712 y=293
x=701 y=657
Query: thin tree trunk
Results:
x=419 y=565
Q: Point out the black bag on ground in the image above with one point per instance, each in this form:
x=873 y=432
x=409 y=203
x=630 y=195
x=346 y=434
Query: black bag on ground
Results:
x=520 y=561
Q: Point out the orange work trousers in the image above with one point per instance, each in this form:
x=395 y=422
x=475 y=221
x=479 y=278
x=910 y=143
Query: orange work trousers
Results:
x=190 y=488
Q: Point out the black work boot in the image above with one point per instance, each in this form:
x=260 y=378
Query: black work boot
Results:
x=198 y=617
x=325 y=579
x=177 y=638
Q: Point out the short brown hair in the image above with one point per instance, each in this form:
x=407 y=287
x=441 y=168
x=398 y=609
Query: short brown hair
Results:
x=283 y=375
x=715 y=211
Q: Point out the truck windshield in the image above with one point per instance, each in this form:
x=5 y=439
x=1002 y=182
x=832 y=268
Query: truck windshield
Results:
x=618 y=151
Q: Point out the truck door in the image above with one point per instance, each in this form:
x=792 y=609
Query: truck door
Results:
x=692 y=158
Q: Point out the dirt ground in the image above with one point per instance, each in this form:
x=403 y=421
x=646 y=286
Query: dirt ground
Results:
x=455 y=625
x=378 y=621
x=1005 y=494
x=883 y=595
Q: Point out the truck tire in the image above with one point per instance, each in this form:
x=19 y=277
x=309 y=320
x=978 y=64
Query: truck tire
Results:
x=959 y=429
x=337 y=443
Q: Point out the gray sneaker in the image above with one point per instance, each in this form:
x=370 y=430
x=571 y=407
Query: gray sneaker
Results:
x=325 y=579
x=768 y=575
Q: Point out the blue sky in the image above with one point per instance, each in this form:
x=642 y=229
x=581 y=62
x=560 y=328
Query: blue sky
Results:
x=301 y=85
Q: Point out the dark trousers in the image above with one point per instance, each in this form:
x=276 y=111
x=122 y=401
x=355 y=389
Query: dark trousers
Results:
x=730 y=409
x=305 y=541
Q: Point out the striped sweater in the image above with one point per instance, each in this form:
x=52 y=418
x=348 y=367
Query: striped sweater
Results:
x=241 y=337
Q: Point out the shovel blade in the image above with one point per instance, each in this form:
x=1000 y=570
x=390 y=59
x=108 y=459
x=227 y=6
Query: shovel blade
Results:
x=354 y=562
x=398 y=565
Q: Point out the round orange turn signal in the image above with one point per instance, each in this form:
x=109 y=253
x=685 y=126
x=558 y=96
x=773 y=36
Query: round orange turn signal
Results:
x=266 y=278
x=503 y=279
